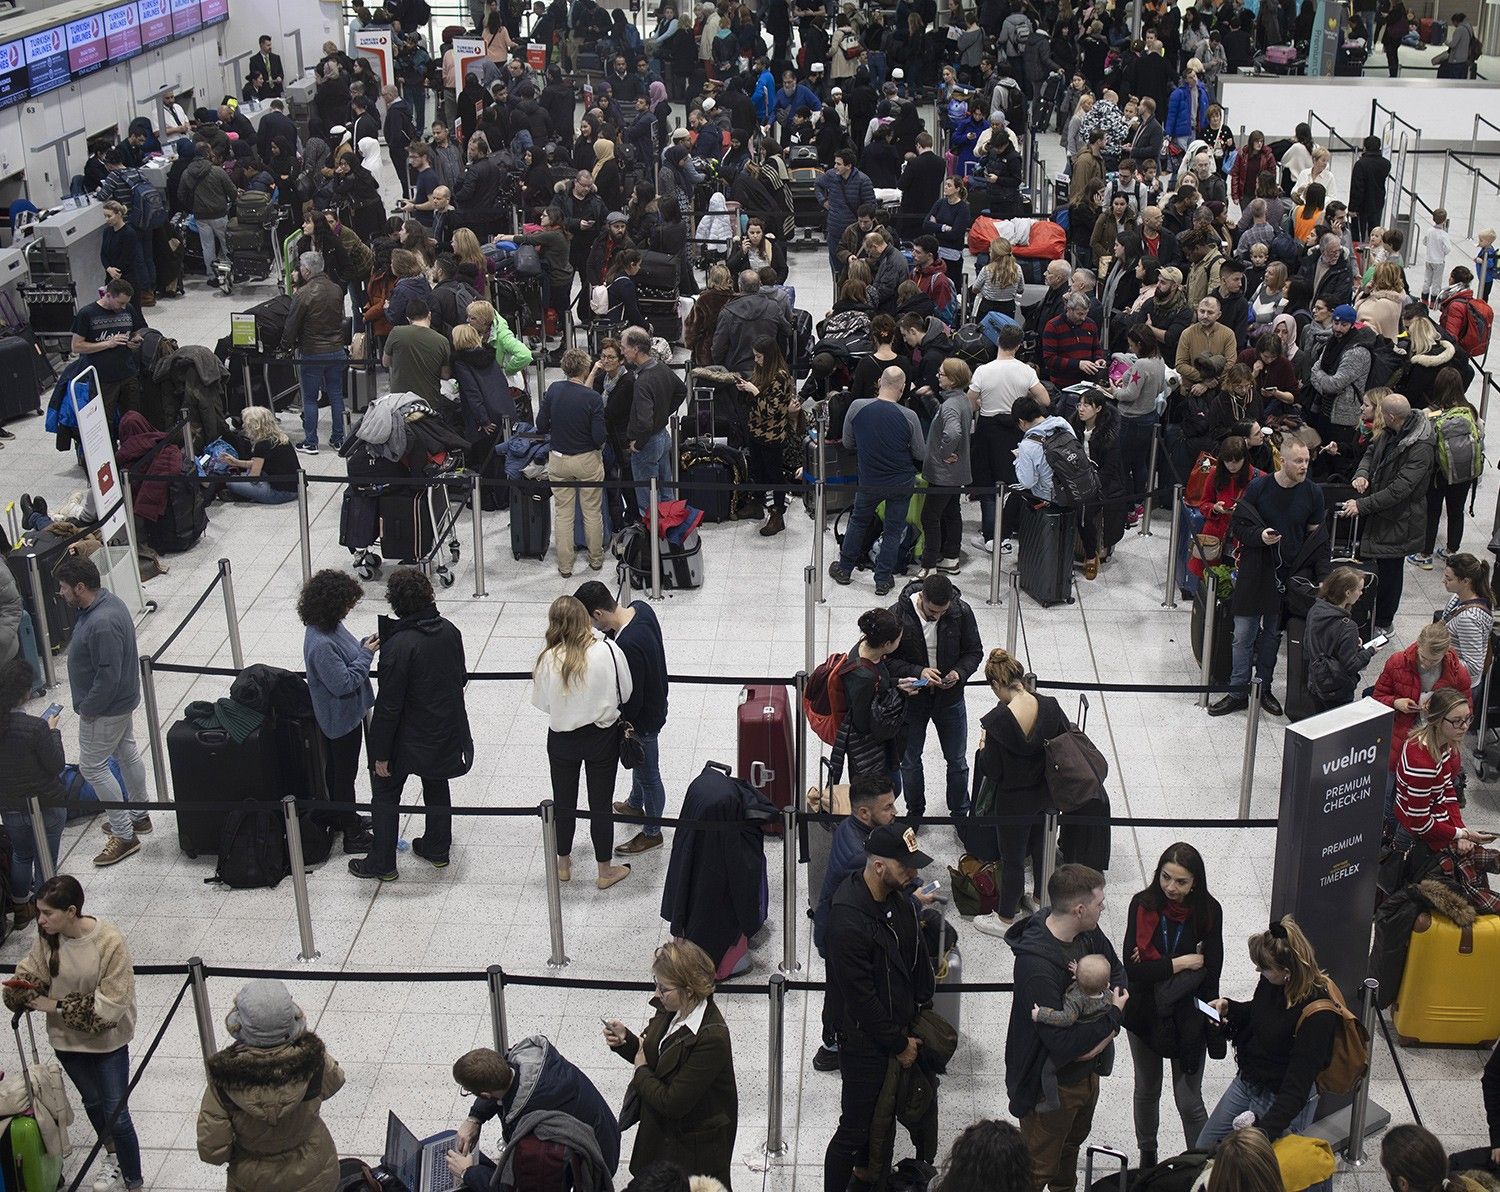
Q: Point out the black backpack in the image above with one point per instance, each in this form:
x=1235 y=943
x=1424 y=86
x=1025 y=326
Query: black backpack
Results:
x=1075 y=480
x=1177 y=1174
x=252 y=848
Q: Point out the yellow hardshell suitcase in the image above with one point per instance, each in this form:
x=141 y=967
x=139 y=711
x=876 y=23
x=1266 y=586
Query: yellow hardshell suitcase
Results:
x=1448 y=990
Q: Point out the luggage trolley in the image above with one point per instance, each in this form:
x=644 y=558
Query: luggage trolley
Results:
x=381 y=520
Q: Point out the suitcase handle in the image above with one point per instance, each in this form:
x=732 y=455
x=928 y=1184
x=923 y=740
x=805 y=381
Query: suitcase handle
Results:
x=1088 y=1164
x=761 y=775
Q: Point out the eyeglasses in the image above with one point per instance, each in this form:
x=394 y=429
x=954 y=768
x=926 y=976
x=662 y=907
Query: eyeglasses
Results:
x=1459 y=722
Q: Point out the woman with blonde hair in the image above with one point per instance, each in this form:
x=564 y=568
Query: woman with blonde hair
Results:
x=999 y=282
x=1245 y=1161
x=703 y=319
x=473 y=266
x=581 y=680
x=1281 y=1039
x=1380 y=306
x=1409 y=681
x=683 y=1089
x=271 y=454
x=511 y=353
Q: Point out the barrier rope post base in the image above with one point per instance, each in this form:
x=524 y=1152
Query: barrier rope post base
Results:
x=201 y=1009
x=1252 y=734
x=1174 y=538
x=495 y=977
x=789 y=914
x=558 y=958
x=39 y=839
x=153 y=727
x=298 y=866
x=763 y=1158
x=231 y=614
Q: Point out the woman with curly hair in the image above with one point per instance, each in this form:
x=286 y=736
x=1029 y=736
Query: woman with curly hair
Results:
x=989 y=1156
x=338 y=679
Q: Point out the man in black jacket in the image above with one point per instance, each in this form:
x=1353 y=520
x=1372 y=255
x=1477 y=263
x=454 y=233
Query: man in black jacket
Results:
x=450 y=297
x=314 y=330
x=583 y=219
x=478 y=195
x=420 y=725
x=275 y=125
x=879 y=976
x=1329 y=274
x=1045 y=944
x=940 y=648
x=400 y=131
x=1367 y=182
x=268 y=66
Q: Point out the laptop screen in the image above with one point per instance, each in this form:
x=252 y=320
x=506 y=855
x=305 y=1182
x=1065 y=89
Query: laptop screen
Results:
x=403 y=1153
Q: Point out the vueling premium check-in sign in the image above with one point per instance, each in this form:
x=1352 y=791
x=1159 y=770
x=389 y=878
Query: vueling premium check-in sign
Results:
x=1333 y=780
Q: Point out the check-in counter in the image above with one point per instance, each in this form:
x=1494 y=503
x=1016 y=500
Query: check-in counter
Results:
x=12 y=272
x=79 y=233
x=156 y=171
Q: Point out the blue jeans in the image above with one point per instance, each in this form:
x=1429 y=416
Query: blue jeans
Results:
x=646 y=790
x=1136 y=433
x=1257 y=638
x=101 y=1082
x=652 y=458
x=1240 y=1096
x=953 y=735
x=323 y=371
x=26 y=874
x=888 y=551
x=259 y=491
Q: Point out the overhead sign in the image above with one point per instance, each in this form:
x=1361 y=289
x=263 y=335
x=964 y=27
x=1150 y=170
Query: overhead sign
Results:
x=87 y=50
x=213 y=11
x=122 y=32
x=155 y=21
x=14 y=83
x=185 y=17
x=374 y=45
x=47 y=60
x=466 y=50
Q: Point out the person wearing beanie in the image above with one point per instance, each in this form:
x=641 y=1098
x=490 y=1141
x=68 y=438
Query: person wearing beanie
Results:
x=261 y=1112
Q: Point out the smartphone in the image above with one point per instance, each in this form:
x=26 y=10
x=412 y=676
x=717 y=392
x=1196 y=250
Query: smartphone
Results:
x=920 y=682
x=50 y=711
x=1377 y=641
x=931 y=887
x=1207 y=1010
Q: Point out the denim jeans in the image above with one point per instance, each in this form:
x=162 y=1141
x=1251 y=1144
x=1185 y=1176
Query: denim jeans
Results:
x=1136 y=433
x=1240 y=1096
x=99 y=739
x=647 y=793
x=888 y=550
x=653 y=458
x=1256 y=639
x=953 y=735
x=323 y=371
x=259 y=491
x=101 y=1080
x=26 y=874
x=213 y=234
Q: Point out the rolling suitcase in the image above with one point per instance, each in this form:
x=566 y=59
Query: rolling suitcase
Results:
x=359 y=519
x=208 y=764
x=530 y=520
x=406 y=521
x=838 y=484
x=1299 y=703
x=765 y=742
x=27 y=1166
x=19 y=385
x=1223 y=634
x=817 y=842
x=704 y=463
x=1046 y=553
x=61 y=617
x=1447 y=991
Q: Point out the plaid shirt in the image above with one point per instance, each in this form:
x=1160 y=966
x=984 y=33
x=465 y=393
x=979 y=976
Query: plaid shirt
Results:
x=1067 y=345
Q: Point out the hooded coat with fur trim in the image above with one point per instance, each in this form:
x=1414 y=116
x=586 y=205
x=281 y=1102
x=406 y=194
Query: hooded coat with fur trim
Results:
x=261 y=1115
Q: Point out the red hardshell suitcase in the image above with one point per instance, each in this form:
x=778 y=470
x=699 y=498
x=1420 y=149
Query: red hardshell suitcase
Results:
x=765 y=742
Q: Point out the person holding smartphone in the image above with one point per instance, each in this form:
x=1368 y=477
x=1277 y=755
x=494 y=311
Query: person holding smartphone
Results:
x=1407 y=683
x=31 y=758
x=1333 y=657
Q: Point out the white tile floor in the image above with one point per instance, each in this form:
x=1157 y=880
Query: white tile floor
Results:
x=396 y=1038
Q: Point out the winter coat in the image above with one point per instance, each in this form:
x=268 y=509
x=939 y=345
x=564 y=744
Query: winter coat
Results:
x=842 y=198
x=1332 y=655
x=742 y=322
x=1399 y=467
x=1401 y=678
x=1179 y=107
x=260 y=1114
x=890 y=271
x=879 y=970
x=483 y=389
x=205 y=190
x=1161 y=1011
x=315 y=322
x=420 y=724
x=1339 y=375
x=959 y=648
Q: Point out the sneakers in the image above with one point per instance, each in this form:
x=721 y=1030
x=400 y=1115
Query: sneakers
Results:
x=992 y=924
x=883 y=586
x=108 y=1179
x=358 y=841
x=308 y=448
x=639 y=843
x=1422 y=561
x=142 y=826
x=980 y=542
x=116 y=850
x=840 y=575
x=826 y=1059
x=364 y=867
x=436 y=860
x=950 y=566
x=1441 y=552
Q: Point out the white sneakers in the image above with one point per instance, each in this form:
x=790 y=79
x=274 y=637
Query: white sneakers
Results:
x=108 y=1179
x=980 y=542
x=992 y=924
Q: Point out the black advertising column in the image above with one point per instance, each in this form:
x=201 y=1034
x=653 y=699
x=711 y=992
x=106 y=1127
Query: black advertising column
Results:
x=1333 y=782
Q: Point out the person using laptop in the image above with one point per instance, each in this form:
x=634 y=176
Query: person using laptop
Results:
x=533 y=1082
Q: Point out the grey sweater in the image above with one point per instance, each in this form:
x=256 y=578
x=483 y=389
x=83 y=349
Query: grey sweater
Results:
x=103 y=664
x=949 y=436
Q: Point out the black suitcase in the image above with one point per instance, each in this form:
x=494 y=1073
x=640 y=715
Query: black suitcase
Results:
x=716 y=503
x=668 y=326
x=1223 y=634
x=302 y=757
x=658 y=271
x=359 y=520
x=407 y=520
x=838 y=484
x=184 y=520
x=208 y=765
x=1046 y=553
x=1086 y=844
x=530 y=520
x=1299 y=702
x=61 y=617
x=20 y=377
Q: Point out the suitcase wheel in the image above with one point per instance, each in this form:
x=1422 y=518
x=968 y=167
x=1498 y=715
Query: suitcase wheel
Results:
x=445 y=577
x=454 y=550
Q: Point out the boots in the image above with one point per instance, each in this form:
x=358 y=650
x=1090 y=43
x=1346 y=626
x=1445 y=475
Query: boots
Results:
x=25 y=913
x=148 y=297
x=774 y=524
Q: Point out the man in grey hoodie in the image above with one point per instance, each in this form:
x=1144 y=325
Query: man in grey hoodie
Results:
x=104 y=676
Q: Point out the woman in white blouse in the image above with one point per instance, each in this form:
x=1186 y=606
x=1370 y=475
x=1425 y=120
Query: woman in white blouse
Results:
x=1319 y=170
x=580 y=680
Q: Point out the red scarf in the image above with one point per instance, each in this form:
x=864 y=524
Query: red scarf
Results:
x=1147 y=921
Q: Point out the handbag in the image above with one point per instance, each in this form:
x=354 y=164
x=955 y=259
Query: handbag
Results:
x=1076 y=770
x=632 y=752
x=975 y=885
x=1207 y=548
x=1197 y=481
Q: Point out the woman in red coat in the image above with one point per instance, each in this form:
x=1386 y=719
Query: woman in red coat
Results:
x=1407 y=683
x=1249 y=162
x=1226 y=485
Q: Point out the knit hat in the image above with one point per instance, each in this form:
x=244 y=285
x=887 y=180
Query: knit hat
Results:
x=1344 y=313
x=264 y=1015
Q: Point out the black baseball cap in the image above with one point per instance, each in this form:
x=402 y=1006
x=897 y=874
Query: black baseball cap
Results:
x=896 y=843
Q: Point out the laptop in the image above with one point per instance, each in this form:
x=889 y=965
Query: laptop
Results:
x=417 y=1165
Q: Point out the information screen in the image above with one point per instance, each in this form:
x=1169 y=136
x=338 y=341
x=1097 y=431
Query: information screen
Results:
x=87 y=50
x=185 y=17
x=122 y=32
x=14 y=84
x=47 y=60
x=155 y=21
x=213 y=11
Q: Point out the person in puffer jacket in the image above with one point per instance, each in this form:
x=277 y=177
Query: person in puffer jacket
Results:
x=1332 y=654
x=261 y=1111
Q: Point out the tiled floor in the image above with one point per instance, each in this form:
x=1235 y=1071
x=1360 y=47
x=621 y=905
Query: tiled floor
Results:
x=396 y=1037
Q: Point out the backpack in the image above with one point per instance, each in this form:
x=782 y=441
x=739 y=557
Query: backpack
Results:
x=252 y=849
x=355 y=1176
x=1479 y=317
x=846 y=333
x=1075 y=480
x=823 y=701
x=1180 y=1173
x=1351 y=1046
x=536 y=1163
x=78 y=789
x=148 y=206
x=1384 y=361
x=1460 y=446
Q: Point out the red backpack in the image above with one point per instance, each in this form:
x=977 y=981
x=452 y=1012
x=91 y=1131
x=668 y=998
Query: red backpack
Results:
x=824 y=702
x=1479 y=317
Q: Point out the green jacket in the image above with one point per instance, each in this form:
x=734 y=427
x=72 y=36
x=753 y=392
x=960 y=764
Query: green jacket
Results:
x=510 y=353
x=910 y=1094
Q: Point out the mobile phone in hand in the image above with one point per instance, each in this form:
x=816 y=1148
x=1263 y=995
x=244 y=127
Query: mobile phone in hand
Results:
x=1377 y=641
x=1207 y=1010
x=931 y=887
x=51 y=710
x=919 y=682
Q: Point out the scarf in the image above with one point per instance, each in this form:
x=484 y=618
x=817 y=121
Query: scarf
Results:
x=1148 y=921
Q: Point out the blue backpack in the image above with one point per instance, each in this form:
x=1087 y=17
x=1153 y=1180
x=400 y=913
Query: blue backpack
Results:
x=79 y=790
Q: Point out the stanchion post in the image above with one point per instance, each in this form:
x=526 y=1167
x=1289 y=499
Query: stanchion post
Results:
x=775 y=1143
x=304 y=526
x=299 y=879
x=1252 y=734
x=558 y=958
x=655 y=539
x=1013 y=613
x=476 y=515
x=39 y=840
x=1146 y=507
x=1049 y=851
x=1359 y=1110
x=1210 y=608
x=153 y=726
x=789 y=889
x=231 y=614
x=201 y=1009
x=799 y=734
x=1174 y=538
x=820 y=500
x=495 y=977
x=995 y=543
x=675 y=423
x=43 y=632
x=809 y=619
